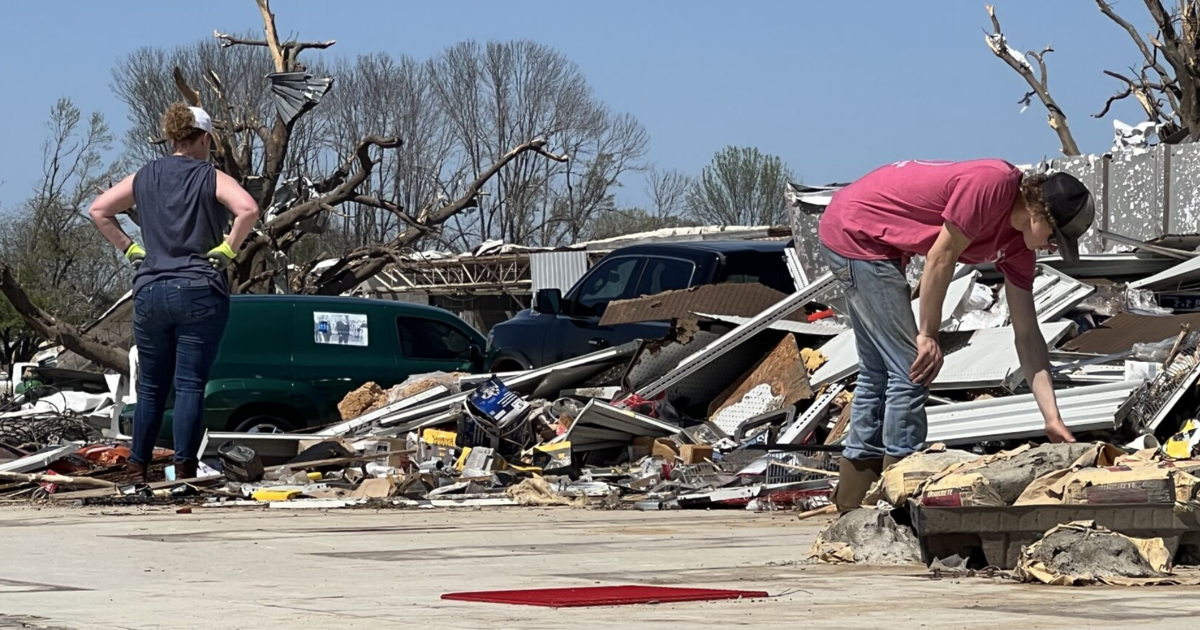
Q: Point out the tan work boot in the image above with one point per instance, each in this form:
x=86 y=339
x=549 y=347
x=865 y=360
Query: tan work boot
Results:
x=855 y=477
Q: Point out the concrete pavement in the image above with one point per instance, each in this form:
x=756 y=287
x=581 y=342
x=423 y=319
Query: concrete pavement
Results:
x=127 y=568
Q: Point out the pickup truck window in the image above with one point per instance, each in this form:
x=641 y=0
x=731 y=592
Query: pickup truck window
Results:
x=614 y=279
x=429 y=339
x=665 y=274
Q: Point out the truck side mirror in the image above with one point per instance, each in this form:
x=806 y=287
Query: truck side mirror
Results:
x=548 y=302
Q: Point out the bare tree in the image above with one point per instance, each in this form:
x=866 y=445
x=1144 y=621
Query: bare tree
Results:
x=1165 y=81
x=51 y=250
x=1039 y=82
x=1152 y=82
x=668 y=192
x=256 y=126
x=742 y=186
x=499 y=93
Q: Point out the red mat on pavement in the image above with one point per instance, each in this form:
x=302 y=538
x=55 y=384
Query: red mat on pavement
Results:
x=600 y=596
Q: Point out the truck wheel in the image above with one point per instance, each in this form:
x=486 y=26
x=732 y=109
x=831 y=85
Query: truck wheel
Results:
x=264 y=424
x=507 y=365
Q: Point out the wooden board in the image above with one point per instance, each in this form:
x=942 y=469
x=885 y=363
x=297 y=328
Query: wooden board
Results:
x=782 y=369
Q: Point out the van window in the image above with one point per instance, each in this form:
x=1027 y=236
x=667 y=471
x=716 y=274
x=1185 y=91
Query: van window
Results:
x=429 y=339
x=341 y=329
x=665 y=274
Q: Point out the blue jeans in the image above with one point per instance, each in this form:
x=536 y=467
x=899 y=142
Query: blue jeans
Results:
x=177 y=325
x=887 y=416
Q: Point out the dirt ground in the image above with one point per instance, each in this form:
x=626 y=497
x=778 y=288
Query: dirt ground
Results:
x=123 y=568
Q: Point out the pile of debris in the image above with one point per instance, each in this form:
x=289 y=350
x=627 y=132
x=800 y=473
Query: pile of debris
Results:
x=744 y=402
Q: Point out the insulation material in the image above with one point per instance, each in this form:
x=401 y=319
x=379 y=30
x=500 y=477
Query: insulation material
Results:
x=999 y=479
x=1083 y=552
x=902 y=479
x=778 y=380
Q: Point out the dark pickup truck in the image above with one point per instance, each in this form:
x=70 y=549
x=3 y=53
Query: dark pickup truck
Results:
x=562 y=327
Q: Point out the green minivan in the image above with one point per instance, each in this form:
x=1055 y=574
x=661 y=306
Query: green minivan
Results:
x=286 y=361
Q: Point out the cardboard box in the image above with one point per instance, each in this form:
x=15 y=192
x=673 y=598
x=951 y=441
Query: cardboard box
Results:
x=696 y=453
x=658 y=447
x=374 y=489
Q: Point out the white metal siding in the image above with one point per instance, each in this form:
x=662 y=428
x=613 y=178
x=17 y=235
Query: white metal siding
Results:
x=557 y=270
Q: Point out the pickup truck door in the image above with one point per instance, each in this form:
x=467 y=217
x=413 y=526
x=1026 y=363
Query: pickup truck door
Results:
x=577 y=330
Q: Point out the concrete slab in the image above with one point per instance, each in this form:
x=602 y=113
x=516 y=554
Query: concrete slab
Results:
x=122 y=568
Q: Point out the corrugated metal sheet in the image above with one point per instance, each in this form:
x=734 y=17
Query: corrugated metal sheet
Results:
x=1120 y=332
x=1093 y=408
x=293 y=92
x=1184 y=274
x=989 y=358
x=557 y=270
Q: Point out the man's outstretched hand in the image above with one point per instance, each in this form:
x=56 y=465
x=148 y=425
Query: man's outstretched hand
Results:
x=1058 y=432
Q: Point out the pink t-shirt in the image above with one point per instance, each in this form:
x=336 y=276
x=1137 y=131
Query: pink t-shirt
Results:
x=897 y=211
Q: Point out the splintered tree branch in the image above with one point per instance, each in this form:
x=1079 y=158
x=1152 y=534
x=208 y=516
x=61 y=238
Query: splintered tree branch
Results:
x=52 y=329
x=1141 y=91
x=365 y=263
x=1039 y=84
x=343 y=191
x=1151 y=58
x=264 y=7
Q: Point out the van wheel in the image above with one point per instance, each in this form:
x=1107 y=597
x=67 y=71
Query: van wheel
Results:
x=264 y=424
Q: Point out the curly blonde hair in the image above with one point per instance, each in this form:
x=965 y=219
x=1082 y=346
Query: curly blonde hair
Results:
x=179 y=124
x=1031 y=194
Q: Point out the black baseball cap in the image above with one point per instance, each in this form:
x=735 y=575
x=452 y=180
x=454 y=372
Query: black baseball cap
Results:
x=1070 y=205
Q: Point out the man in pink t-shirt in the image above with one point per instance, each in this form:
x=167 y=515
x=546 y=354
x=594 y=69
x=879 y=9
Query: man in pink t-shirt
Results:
x=980 y=211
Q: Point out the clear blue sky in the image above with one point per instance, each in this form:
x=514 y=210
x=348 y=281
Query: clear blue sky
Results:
x=834 y=87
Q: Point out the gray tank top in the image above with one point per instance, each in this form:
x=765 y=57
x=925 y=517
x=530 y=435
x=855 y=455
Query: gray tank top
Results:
x=181 y=220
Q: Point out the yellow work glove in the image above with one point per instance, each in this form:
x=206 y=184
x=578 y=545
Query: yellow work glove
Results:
x=135 y=255
x=221 y=255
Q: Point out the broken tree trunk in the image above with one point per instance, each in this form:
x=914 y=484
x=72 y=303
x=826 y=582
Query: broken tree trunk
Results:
x=52 y=329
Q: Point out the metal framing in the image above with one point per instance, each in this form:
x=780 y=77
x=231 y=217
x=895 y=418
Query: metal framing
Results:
x=811 y=416
x=737 y=336
x=1058 y=294
x=600 y=425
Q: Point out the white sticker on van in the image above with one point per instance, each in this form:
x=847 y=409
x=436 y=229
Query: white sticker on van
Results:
x=340 y=329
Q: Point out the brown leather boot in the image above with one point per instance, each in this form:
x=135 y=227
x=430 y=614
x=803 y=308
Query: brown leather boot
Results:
x=186 y=470
x=855 y=477
x=888 y=460
x=135 y=472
